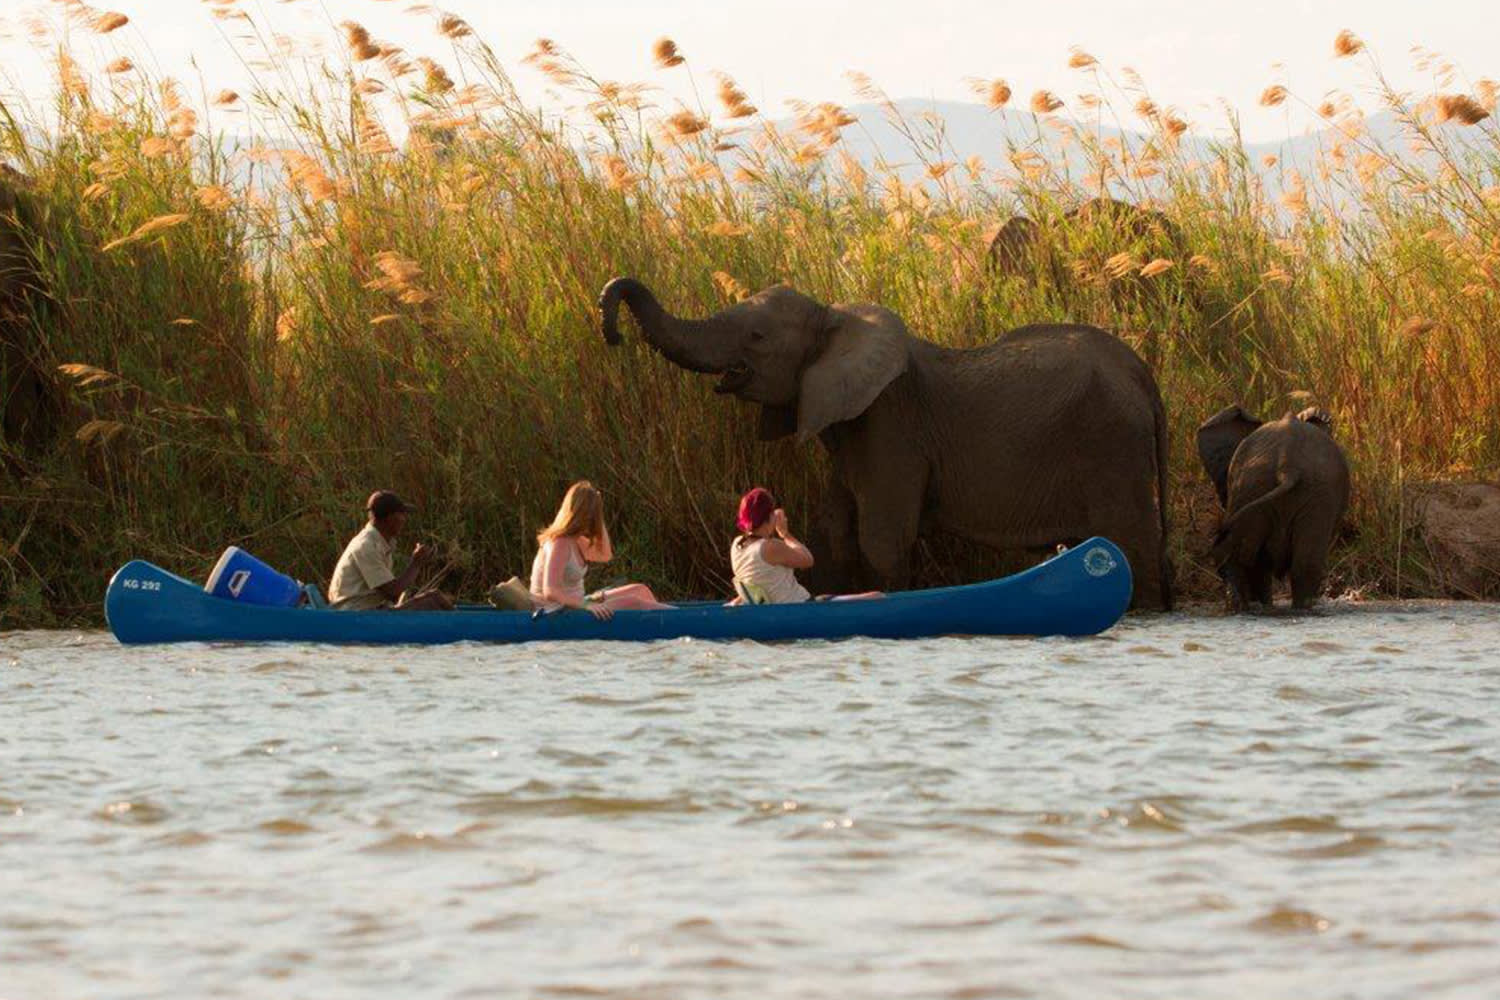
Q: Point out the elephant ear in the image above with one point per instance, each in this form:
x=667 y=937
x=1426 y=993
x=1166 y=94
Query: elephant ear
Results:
x=865 y=348
x=1318 y=417
x=1218 y=438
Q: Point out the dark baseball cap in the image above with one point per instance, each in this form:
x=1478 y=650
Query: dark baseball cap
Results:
x=384 y=503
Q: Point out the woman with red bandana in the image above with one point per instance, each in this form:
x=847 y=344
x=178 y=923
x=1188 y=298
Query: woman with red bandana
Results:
x=766 y=555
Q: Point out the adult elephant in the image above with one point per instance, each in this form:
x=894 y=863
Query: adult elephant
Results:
x=1015 y=245
x=1050 y=434
x=1284 y=486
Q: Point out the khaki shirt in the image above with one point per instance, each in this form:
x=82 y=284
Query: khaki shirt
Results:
x=365 y=565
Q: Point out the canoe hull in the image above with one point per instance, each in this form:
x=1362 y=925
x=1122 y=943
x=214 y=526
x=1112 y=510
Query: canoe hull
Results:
x=1080 y=592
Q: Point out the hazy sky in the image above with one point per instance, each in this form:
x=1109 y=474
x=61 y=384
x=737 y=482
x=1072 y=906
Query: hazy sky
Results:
x=1190 y=53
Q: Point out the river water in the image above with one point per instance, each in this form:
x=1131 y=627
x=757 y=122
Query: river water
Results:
x=1188 y=806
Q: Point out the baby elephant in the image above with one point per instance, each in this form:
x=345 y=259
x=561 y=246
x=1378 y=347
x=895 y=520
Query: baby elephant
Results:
x=1284 y=486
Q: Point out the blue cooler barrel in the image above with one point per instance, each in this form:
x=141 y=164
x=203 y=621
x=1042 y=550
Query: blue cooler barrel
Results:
x=239 y=576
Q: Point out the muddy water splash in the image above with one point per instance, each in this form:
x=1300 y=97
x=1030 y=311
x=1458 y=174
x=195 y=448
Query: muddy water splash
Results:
x=1188 y=807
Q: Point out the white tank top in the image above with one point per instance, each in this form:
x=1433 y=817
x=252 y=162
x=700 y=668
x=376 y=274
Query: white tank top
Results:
x=766 y=582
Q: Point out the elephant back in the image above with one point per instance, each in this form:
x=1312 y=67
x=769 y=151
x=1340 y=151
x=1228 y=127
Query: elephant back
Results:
x=1320 y=457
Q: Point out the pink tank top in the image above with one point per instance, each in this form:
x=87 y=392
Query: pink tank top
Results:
x=573 y=574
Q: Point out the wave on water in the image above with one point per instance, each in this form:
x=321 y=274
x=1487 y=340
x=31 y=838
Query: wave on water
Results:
x=761 y=823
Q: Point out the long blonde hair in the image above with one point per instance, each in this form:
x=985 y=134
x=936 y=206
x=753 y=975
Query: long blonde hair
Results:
x=581 y=513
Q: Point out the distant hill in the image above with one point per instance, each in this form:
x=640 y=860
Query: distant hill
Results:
x=970 y=129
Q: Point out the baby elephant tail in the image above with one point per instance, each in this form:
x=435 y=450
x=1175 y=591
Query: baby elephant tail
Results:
x=1288 y=483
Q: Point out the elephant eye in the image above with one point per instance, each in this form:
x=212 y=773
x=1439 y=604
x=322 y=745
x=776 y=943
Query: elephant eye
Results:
x=757 y=335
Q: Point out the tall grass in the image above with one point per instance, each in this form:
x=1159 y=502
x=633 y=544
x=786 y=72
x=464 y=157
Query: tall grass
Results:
x=394 y=285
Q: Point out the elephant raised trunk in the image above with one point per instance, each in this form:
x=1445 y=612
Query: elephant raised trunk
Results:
x=700 y=345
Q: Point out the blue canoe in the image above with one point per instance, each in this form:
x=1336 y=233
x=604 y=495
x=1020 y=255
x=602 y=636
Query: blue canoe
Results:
x=1082 y=591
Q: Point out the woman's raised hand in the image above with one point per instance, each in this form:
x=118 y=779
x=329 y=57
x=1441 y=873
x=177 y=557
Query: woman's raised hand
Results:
x=778 y=522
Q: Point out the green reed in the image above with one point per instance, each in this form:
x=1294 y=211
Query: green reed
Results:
x=394 y=285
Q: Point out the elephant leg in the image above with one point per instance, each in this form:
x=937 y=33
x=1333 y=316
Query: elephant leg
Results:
x=1124 y=507
x=1309 y=562
x=1236 y=586
x=1258 y=579
x=1307 y=584
x=886 y=542
x=1243 y=565
x=837 y=569
x=1167 y=591
x=1138 y=534
x=889 y=520
x=1146 y=565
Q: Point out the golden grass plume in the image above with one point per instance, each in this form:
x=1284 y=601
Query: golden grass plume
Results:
x=1172 y=124
x=361 y=48
x=149 y=228
x=215 y=197
x=286 y=324
x=736 y=104
x=1119 y=265
x=1460 y=108
x=453 y=26
x=1080 y=59
x=1044 y=102
x=108 y=21
x=99 y=432
x=728 y=287
x=664 y=53
x=434 y=77
x=685 y=123
x=1273 y=95
x=398 y=276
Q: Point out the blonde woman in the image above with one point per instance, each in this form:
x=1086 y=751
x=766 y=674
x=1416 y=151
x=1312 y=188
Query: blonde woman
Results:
x=576 y=537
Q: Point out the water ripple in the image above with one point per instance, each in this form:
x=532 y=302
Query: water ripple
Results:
x=1190 y=806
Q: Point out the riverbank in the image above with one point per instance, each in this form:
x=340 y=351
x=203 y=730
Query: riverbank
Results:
x=391 y=282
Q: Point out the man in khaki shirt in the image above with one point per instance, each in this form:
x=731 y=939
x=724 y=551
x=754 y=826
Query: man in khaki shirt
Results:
x=365 y=578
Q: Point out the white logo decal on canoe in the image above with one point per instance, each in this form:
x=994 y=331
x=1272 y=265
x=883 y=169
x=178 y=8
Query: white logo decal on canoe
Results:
x=242 y=576
x=1098 y=562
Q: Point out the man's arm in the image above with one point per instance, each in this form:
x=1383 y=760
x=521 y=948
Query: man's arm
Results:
x=393 y=590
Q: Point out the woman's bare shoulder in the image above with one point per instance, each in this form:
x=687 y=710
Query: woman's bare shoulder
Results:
x=589 y=549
